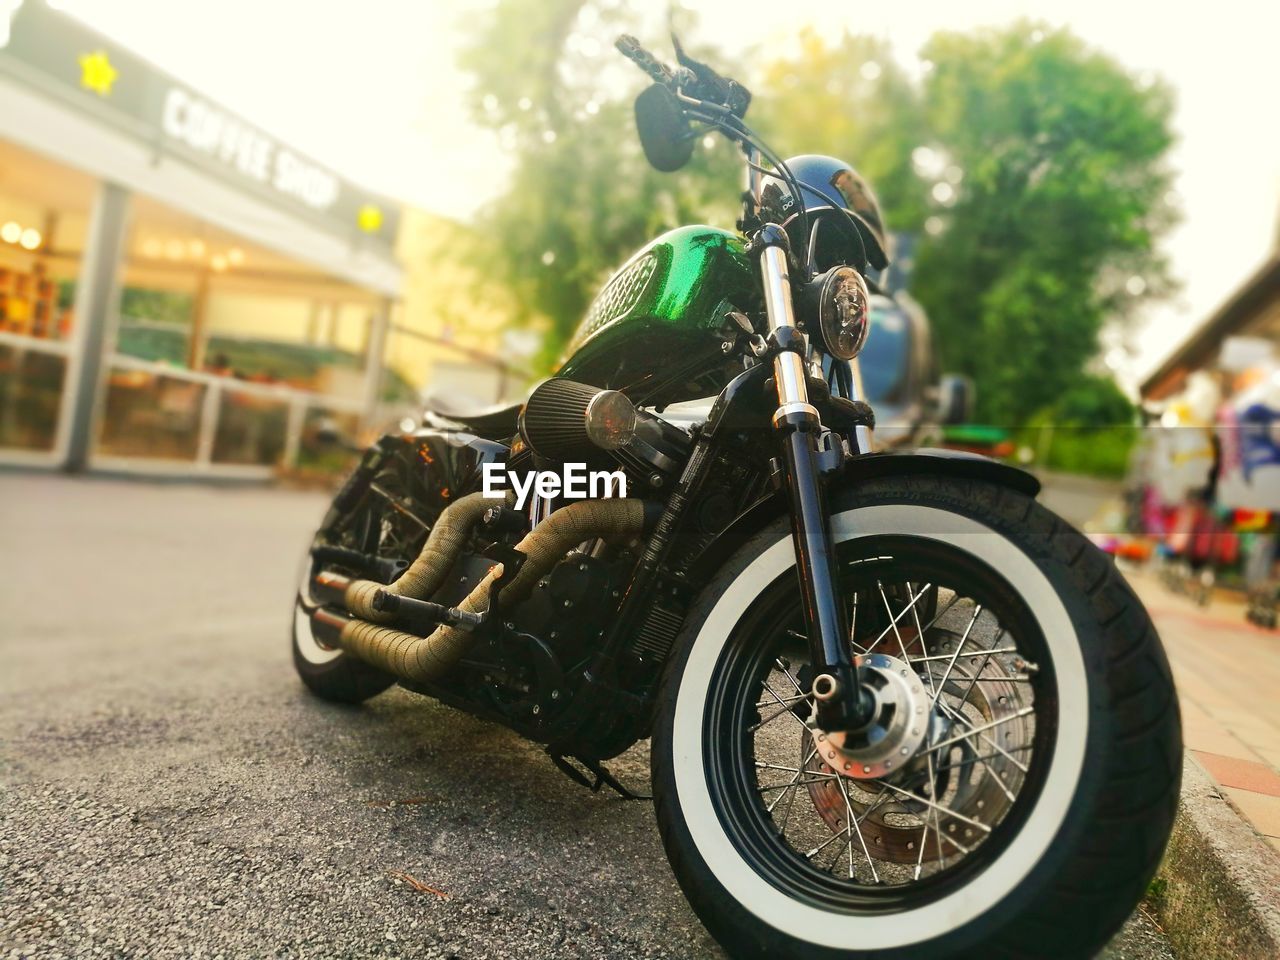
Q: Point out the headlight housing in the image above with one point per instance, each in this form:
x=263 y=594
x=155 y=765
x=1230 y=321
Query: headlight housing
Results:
x=843 y=312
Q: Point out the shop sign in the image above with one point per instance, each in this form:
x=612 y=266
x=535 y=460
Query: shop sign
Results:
x=218 y=135
x=49 y=49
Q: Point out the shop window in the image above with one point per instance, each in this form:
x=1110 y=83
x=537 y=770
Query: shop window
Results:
x=251 y=429
x=44 y=210
x=31 y=385
x=199 y=298
x=150 y=415
x=155 y=325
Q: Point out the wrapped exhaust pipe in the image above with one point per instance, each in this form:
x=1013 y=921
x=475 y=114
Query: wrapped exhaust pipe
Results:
x=425 y=575
x=411 y=657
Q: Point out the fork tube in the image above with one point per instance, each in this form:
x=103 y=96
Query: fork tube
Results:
x=797 y=422
x=861 y=433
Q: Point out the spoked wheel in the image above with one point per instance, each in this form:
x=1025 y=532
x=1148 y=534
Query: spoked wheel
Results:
x=994 y=792
x=921 y=796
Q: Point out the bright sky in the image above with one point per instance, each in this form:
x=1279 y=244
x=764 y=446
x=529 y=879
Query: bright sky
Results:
x=372 y=90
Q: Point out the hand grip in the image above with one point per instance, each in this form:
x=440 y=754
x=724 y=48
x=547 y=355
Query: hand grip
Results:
x=630 y=48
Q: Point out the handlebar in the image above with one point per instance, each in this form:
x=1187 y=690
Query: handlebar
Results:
x=630 y=48
x=691 y=78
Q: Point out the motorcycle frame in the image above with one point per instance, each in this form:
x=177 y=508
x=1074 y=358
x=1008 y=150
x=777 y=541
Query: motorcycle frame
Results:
x=611 y=706
x=612 y=702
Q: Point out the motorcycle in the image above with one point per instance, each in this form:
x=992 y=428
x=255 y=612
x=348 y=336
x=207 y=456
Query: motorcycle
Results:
x=897 y=708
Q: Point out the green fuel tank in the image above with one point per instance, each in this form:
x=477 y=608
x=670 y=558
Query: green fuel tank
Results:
x=655 y=329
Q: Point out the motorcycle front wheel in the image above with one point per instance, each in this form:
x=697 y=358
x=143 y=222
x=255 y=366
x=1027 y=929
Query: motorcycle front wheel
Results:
x=1017 y=792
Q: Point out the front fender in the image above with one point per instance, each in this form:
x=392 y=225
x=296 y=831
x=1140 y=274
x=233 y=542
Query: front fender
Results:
x=935 y=462
x=940 y=463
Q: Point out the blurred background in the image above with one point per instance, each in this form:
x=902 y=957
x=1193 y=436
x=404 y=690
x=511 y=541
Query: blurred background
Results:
x=224 y=227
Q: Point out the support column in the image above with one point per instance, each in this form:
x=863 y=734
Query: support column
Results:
x=376 y=345
x=199 y=342
x=314 y=315
x=97 y=305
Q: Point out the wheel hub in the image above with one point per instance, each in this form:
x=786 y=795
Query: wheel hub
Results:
x=899 y=728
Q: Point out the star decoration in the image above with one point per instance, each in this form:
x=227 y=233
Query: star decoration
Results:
x=97 y=73
x=369 y=218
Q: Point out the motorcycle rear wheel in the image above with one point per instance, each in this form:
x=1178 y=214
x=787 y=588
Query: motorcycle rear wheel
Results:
x=328 y=672
x=1091 y=784
x=370 y=527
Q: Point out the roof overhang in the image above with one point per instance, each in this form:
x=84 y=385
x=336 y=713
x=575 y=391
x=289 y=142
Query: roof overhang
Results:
x=1202 y=346
x=143 y=135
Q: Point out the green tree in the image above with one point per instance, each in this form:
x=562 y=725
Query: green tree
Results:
x=581 y=197
x=850 y=99
x=1031 y=165
x=1089 y=429
x=1058 y=154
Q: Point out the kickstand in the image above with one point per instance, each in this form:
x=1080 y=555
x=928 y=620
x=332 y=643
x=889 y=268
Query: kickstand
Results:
x=603 y=778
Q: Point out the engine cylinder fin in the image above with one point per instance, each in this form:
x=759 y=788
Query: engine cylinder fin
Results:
x=656 y=635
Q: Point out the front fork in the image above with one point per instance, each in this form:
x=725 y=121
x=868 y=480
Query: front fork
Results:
x=843 y=702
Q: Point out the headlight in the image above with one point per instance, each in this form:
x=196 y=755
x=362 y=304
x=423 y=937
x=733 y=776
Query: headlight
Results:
x=844 y=311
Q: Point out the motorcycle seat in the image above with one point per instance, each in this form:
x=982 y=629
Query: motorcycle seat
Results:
x=495 y=421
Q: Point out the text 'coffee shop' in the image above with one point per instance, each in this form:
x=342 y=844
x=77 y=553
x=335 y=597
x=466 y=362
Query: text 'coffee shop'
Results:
x=180 y=292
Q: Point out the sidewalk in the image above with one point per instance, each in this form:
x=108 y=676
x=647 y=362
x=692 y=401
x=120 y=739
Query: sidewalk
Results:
x=1228 y=677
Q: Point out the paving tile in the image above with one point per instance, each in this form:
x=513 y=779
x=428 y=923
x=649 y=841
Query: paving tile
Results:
x=1225 y=670
x=1259 y=809
x=1243 y=719
x=1244 y=774
x=1255 y=740
x=1202 y=732
x=1272 y=757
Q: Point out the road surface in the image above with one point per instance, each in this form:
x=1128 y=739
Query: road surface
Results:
x=169 y=789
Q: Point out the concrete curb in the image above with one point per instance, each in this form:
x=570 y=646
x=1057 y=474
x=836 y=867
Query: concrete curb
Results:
x=1217 y=893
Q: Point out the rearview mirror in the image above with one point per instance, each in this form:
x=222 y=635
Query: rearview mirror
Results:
x=955 y=399
x=663 y=128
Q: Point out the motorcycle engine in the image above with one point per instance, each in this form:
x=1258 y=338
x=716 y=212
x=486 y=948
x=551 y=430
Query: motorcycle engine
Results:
x=527 y=670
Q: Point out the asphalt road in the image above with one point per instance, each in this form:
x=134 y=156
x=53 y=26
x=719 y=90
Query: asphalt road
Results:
x=169 y=789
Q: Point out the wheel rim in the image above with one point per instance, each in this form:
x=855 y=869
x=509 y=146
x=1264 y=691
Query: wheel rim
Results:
x=988 y=890
x=304 y=638
x=915 y=834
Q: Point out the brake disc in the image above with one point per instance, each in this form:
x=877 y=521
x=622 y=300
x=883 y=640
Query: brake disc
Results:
x=975 y=778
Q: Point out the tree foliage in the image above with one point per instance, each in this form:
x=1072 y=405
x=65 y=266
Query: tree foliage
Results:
x=1059 y=206
x=1090 y=429
x=582 y=198
x=1030 y=165
x=850 y=99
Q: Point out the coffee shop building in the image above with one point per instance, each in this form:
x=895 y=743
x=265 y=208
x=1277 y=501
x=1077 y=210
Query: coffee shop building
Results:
x=180 y=292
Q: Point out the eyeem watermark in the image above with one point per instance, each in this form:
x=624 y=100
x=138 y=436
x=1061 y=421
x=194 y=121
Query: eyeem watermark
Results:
x=573 y=481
